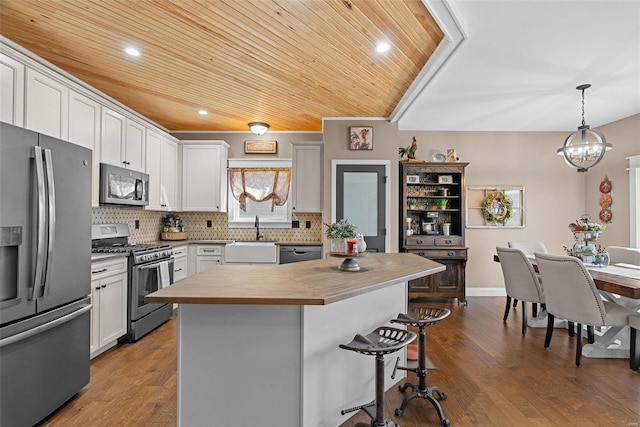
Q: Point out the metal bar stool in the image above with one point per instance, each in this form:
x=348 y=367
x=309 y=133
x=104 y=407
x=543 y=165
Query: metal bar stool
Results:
x=383 y=340
x=421 y=317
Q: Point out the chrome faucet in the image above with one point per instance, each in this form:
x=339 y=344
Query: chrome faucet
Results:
x=257 y=226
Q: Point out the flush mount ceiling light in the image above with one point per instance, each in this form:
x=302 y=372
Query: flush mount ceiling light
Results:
x=383 y=47
x=585 y=147
x=203 y=112
x=258 y=127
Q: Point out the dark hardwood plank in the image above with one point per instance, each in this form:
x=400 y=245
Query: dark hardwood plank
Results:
x=492 y=375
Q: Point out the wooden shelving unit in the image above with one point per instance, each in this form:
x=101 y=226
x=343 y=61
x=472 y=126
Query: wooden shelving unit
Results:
x=428 y=184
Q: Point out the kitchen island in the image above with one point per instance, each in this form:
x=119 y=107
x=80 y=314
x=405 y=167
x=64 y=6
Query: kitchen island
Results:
x=258 y=345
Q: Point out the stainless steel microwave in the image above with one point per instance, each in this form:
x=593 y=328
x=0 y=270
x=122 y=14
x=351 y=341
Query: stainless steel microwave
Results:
x=120 y=186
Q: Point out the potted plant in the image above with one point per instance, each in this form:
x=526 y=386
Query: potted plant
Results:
x=412 y=203
x=338 y=233
x=442 y=203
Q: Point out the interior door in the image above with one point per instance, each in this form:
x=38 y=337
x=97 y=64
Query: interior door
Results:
x=360 y=198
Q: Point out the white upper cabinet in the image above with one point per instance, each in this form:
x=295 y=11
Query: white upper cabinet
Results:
x=169 y=187
x=204 y=175
x=12 y=89
x=306 y=180
x=84 y=129
x=162 y=167
x=123 y=141
x=47 y=105
x=154 y=169
x=113 y=128
x=134 y=151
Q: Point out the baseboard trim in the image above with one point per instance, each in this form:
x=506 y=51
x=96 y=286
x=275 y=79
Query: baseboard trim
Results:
x=486 y=292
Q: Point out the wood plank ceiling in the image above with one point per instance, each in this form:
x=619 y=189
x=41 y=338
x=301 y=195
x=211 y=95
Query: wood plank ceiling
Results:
x=285 y=62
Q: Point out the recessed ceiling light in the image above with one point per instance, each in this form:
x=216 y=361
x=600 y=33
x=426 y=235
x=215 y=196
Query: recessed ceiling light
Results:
x=203 y=112
x=131 y=51
x=382 y=47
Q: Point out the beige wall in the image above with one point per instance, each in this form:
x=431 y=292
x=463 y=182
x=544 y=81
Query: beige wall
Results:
x=385 y=147
x=624 y=135
x=553 y=192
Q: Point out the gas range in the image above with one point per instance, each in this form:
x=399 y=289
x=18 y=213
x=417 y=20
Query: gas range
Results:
x=114 y=238
x=150 y=268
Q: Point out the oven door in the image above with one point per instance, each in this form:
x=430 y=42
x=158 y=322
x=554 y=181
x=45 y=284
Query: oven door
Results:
x=145 y=279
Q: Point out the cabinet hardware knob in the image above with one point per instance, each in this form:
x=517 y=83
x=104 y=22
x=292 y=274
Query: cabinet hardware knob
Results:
x=178 y=269
x=448 y=241
x=421 y=253
x=420 y=242
x=99 y=271
x=98 y=288
x=451 y=253
x=103 y=286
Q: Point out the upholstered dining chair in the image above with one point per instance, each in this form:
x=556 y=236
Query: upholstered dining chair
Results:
x=529 y=248
x=620 y=254
x=520 y=281
x=571 y=294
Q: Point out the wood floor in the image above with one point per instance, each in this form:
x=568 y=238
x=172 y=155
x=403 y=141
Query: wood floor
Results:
x=493 y=376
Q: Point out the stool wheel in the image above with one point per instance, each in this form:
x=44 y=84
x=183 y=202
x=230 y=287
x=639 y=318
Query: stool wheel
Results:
x=442 y=395
x=446 y=422
x=398 y=412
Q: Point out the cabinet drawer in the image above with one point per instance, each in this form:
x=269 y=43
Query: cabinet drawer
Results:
x=441 y=253
x=100 y=269
x=179 y=269
x=209 y=250
x=420 y=241
x=179 y=251
x=448 y=241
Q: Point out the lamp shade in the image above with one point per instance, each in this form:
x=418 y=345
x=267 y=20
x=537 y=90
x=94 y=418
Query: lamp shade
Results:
x=258 y=128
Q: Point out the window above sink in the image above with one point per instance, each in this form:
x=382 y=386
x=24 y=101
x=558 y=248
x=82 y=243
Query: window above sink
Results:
x=270 y=216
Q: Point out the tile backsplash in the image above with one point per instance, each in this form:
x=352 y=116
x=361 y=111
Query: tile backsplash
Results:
x=195 y=223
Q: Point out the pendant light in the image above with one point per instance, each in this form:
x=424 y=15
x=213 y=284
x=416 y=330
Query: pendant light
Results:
x=258 y=128
x=585 y=147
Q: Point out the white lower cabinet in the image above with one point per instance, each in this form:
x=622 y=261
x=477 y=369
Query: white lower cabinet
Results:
x=179 y=263
x=109 y=299
x=208 y=256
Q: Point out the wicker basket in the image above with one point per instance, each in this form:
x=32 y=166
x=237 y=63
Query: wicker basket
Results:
x=173 y=236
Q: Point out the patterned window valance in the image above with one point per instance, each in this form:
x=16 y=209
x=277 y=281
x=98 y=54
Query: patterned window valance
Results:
x=260 y=184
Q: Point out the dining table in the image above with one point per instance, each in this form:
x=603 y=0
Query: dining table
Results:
x=618 y=283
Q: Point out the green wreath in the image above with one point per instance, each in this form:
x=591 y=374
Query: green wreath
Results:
x=497 y=207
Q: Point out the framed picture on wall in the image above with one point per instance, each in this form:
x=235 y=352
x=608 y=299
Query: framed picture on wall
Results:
x=361 y=138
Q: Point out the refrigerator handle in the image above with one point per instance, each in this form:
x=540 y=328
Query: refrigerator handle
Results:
x=41 y=228
x=45 y=327
x=51 y=190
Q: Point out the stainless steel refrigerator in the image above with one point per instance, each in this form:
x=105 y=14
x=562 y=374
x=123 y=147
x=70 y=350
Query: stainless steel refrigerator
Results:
x=45 y=264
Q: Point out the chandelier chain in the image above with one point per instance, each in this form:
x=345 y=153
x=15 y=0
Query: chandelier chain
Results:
x=583 y=123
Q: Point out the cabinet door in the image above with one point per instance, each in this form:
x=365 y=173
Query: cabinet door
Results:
x=47 y=105
x=113 y=304
x=154 y=169
x=206 y=261
x=11 y=91
x=306 y=181
x=112 y=141
x=94 y=341
x=134 y=148
x=84 y=129
x=169 y=186
x=201 y=174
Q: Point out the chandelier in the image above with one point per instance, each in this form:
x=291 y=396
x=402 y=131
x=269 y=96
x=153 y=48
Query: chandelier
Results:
x=585 y=147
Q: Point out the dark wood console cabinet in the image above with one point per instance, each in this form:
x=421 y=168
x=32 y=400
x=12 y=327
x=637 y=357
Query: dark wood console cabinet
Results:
x=434 y=231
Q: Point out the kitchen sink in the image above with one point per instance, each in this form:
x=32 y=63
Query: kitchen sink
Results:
x=250 y=252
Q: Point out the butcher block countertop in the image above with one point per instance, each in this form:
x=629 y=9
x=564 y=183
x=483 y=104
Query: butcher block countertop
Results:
x=317 y=282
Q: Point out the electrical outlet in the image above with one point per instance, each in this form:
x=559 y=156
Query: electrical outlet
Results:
x=307 y=224
x=295 y=224
x=209 y=223
x=137 y=224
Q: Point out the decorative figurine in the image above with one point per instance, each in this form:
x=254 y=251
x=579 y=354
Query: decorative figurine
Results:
x=410 y=151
